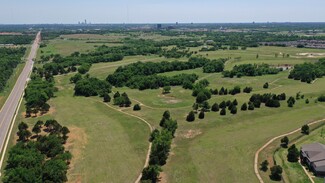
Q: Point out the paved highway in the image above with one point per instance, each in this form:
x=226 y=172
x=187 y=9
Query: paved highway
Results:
x=8 y=110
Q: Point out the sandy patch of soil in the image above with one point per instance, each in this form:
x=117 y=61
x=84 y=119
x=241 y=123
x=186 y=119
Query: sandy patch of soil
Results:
x=311 y=55
x=76 y=143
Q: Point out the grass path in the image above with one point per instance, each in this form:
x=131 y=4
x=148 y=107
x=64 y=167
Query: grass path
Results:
x=256 y=165
x=150 y=127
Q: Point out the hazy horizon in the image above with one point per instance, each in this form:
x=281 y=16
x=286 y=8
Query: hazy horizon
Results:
x=168 y=11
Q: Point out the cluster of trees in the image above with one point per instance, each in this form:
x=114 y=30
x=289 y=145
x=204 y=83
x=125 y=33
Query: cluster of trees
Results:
x=125 y=73
x=250 y=70
x=156 y=81
x=16 y=39
x=37 y=93
x=161 y=144
x=39 y=157
x=144 y=75
x=269 y=99
x=307 y=72
x=9 y=59
x=89 y=86
x=122 y=100
x=214 y=66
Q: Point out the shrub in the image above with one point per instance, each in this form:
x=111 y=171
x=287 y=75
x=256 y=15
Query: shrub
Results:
x=136 y=107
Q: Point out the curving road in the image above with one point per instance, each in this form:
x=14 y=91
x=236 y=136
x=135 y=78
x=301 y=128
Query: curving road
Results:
x=8 y=110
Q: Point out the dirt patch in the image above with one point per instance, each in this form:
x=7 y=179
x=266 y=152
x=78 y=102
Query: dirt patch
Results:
x=191 y=134
x=170 y=99
x=163 y=177
x=76 y=143
x=51 y=111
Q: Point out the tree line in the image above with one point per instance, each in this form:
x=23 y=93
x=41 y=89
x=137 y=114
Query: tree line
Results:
x=250 y=70
x=38 y=91
x=9 y=59
x=39 y=155
x=16 y=39
x=142 y=75
x=161 y=143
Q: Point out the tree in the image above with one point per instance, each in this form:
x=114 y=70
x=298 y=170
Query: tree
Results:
x=251 y=106
x=215 y=107
x=76 y=78
x=205 y=106
x=201 y=97
x=190 y=117
x=36 y=129
x=285 y=142
x=195 y=106
x=233 y=110
x=201 y=115
x=166 y=115
x=223 y=112
x=235 y=102
x=136 y=107
x=293 y=154
x=266 y=85
x=54 y=170
x=244 y=107
x=276 y=173
x=264 y=165
x=116 y=95
x=106 y=97
x=151 y=173
x=305 y=129
x=307 y=101
x=166 y=89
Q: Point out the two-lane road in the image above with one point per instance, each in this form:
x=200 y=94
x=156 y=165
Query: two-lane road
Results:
x=8 y=110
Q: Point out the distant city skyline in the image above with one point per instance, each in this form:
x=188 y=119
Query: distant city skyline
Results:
x=167 y=11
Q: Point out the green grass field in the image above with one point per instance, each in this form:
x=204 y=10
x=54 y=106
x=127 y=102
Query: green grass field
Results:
x=218 y=148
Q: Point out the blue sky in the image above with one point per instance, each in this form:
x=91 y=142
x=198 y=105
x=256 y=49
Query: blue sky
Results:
x=162 y=11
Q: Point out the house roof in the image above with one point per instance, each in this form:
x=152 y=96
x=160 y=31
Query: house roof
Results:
x=315 y=152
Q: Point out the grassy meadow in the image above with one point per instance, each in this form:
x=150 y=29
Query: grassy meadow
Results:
x=109 y=146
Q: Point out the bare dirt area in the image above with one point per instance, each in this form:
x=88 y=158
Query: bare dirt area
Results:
x=169 y=99
x=163 y=177
x=76 y=143
x=189 y=134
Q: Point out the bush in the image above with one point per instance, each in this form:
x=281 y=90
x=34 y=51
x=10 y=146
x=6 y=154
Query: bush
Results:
x=244 y=107
x=223 y=112
x=136 y=107
x=248 y=89
x=266 y=85
x=233 y=110
x=190 y=117
x=321 y=98
x=276 y=173
x=215 y=107
x=293 y=154
x=201 y=115
x=305 y=129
